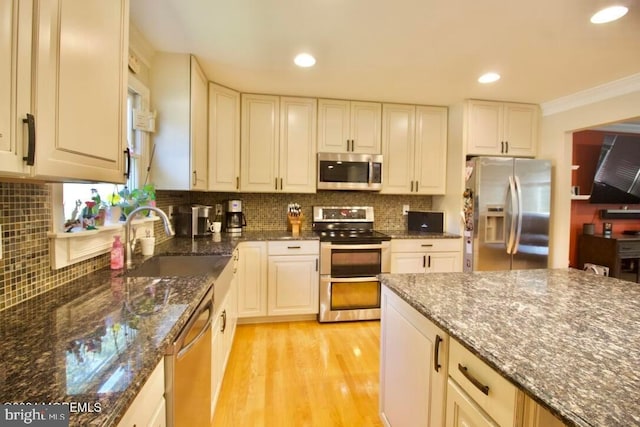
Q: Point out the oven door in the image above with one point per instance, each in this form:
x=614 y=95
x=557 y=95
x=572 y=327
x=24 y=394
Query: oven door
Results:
x=354 y=260
x=349 y=298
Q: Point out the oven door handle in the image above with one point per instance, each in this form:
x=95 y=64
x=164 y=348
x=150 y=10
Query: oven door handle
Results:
x=356 y=246
x=350 y=279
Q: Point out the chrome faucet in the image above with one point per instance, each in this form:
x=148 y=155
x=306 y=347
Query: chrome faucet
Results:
x=129 y=243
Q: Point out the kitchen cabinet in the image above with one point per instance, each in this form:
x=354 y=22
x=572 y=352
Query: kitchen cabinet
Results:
x=426 y=255
x=349 y=126
x=67 y=68
x=15 y=84
x=252 y=279
x=179 y=95
x=413 y=366
x=414 y=146
x=293 y=277
x=476 y=385
x=224 y=325
x=501 y=128
x=224 y=139
x=537 y=416
x=148 y=408
x=278 y=144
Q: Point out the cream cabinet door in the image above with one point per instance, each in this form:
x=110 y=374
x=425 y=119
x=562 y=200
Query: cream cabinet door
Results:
x=297 y=153
x=430 y=154
x=413 y=366
x=81 y=89
x=252 y=279
x=293 y=285
x=259 y=143
x=366 y=120
x=484 y=128
x=334 y=126
x=462 y=411
x=15 y=84
x=444 y=262
x=224 y=139
x=199 y=144
x=521 y=129
x=408 y=262
x=398 y=146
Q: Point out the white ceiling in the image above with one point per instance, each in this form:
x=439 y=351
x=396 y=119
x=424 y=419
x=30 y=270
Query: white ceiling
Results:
x=413 y=51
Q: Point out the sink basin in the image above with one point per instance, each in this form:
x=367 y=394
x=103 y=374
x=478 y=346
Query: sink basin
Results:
x=175 y=265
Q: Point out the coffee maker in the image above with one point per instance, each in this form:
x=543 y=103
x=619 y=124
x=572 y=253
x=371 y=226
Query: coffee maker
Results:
x=235 y=219
x=193 y=220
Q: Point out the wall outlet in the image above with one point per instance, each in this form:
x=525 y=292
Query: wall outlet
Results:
x=405 y=209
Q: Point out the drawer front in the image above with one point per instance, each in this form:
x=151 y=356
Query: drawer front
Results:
x=629 y=248
x=293 y=247
x=426 y=245
x=494 y=394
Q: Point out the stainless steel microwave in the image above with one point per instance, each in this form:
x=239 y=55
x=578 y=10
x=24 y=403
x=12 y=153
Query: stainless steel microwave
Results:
x=349 y=171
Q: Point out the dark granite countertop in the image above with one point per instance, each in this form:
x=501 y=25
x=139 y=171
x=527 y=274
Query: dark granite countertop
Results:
x=92 y=343
x=569 y=339
x=405 y=234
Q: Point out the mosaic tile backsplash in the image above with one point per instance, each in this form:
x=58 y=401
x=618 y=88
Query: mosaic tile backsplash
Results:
x=25 y=217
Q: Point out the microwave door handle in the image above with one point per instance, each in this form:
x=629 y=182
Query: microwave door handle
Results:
x=370 y=172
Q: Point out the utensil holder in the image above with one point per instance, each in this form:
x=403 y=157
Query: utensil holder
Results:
x=294 y=223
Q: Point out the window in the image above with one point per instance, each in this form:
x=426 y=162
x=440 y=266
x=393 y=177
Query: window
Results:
x=137 y=142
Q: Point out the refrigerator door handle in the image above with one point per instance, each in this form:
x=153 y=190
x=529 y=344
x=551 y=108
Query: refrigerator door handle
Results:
x=514 y=250
x=511 y=199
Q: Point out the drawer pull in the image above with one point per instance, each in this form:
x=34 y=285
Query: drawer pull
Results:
x=436 y=355
x=427 y=245
x=294 y=247
x=483 y=388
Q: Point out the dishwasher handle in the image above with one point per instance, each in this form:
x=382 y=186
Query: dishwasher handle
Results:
x=181 y=347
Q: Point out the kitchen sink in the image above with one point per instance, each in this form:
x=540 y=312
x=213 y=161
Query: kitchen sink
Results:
x=175 y=265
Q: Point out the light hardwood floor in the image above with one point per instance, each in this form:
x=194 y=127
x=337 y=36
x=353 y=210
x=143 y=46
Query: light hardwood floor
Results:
x=302 y=374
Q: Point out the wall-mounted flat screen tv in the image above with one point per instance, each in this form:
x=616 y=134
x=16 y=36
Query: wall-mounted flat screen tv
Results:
x=617 y=179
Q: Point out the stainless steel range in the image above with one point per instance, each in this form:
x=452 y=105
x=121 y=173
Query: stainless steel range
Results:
x=351 y=255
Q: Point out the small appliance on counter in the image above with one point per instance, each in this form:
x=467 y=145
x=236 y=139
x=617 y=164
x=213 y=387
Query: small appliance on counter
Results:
x=193 y=220
x=426 y=222
x=235 y=219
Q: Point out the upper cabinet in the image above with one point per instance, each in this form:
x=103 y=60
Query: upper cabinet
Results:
x=349 y=126
x=224 y=139
x=278 y=144
x=414 y=146
x=179 y=94
x=502 y=128
x=15 y=84
x=74 y=129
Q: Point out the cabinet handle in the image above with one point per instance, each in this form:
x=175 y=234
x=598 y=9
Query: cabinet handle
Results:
x=427 y=245
x=276 y=183
x=483 y=388
x=237 y=182
x=424 y=261
x=224 y=320
x=506 y=144
x=436 y=354
x=127 y=172
x=195 y=178
x=316 y=264
x=281 y=183
x=416 y=186
x=353 y=145
x=429 y=264
x=30 y=158
x=502 y=146
x=348 y=145
x=294 y=247
x=412 y=186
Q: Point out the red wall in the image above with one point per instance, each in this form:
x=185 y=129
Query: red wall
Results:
x=586 y=150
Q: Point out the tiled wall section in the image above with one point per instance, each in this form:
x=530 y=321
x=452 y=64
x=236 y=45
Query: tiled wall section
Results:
x=25 y=267
x=25 y=217
x=266 y=211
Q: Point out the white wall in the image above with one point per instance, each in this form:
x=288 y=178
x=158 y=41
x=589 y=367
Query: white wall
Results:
x=556 y=144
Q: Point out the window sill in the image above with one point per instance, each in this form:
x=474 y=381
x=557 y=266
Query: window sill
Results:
x=71 y=248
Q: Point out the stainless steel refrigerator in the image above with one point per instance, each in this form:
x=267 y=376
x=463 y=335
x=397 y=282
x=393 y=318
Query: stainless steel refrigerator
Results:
x=507 y=204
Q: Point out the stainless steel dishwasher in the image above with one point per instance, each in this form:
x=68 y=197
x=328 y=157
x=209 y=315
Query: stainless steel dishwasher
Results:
x=188 y=370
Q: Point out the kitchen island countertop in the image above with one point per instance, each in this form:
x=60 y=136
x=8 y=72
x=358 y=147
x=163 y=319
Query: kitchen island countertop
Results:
x=567 y=338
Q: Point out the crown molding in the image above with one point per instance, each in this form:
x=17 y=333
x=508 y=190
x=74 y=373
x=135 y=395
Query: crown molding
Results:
x=605 y=91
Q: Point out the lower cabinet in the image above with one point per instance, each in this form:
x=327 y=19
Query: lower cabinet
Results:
x=462 y=411
x=426 y=255
x=278 y=278
x=413 y=366
x=224 y=325
x=148 y=408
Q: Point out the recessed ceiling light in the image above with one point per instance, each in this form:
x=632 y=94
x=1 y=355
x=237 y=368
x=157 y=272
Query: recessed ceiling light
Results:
x=609 y=14
x=489 y=78
x=304 y=60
